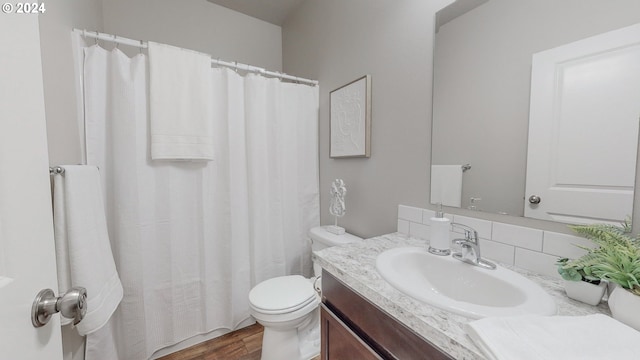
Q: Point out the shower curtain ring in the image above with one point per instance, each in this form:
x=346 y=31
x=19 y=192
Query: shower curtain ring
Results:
x=97 y=36
x=115 y=40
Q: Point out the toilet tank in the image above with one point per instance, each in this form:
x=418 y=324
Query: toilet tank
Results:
x=321 y=239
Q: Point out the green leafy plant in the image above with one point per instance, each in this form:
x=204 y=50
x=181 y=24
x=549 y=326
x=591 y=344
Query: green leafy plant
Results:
x=573 y=272
x=616 y=258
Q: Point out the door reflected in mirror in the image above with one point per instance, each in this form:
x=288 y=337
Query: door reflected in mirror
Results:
x=584 y=154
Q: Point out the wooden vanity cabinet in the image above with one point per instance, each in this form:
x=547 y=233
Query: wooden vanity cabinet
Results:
x=354 y=328
x=339 y=342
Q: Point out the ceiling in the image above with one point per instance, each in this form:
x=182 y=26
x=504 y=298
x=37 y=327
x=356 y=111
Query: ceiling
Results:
x=458 y=8
x=273 y=11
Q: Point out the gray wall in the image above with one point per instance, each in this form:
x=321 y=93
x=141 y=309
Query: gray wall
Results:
x=197 y=25
x=58 y=73
x=482 y=80
x=337 y=41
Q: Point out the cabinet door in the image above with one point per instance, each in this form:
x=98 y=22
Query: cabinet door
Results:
x=339 y=342
x=390 y=338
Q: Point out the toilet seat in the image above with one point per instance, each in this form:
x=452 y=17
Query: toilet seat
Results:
x=288 y=307
x=282 y=295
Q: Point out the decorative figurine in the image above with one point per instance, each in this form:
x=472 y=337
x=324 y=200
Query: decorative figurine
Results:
x=337 y=207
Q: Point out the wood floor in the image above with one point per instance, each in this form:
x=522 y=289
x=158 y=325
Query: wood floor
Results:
x=243 y=344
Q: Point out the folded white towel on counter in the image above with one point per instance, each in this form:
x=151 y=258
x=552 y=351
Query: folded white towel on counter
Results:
x=446 y=185
x=83 y=250
x=180 y=93
x=533 y=337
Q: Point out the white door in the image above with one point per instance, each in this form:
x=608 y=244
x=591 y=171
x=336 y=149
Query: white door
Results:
x=27 y=258
x=583 y=129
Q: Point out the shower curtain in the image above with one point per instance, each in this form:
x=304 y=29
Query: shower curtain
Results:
x=191 y=238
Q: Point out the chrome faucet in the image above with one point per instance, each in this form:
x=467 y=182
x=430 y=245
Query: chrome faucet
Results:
x=470 y=248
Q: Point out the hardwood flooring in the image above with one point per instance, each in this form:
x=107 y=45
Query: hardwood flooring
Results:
x=243 y=344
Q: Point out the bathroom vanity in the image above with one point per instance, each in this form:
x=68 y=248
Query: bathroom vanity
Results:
x=354 y=328
x=364 y=317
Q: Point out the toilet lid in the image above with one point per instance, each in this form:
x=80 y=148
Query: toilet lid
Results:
x=282 y=294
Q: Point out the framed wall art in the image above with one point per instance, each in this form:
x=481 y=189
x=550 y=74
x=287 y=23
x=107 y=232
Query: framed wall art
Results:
x=350 y=119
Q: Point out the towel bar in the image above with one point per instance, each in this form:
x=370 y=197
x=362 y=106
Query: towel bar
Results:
x=56 y=170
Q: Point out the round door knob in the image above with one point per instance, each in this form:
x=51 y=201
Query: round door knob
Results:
x=72 y=304
x=534 y=199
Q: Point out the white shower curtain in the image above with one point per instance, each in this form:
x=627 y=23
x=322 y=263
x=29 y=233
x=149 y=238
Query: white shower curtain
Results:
x=191 y=238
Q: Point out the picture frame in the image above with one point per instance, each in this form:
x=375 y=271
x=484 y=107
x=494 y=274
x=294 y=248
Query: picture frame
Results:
x=350 y=119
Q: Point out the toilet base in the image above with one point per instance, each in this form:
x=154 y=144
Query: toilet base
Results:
x=279 y=344
x=301 y=343
x=309 y=338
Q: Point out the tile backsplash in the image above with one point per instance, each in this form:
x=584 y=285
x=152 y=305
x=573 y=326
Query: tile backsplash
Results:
x=526 y=248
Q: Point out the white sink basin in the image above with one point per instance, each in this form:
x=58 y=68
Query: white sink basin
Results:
x=468 y=290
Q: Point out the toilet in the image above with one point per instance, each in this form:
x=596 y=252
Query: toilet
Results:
x=287 y=307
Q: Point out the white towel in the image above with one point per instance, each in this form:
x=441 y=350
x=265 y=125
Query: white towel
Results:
x=446 y=185
x=180 y=92
x=83 y=250
x=532 y=337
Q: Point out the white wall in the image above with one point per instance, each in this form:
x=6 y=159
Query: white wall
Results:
x=337 y=41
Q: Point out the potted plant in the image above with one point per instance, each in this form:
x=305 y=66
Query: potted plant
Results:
x=617 y=260
x=580 y=284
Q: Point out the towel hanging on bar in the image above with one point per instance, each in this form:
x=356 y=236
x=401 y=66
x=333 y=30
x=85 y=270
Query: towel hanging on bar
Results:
x=83 y=249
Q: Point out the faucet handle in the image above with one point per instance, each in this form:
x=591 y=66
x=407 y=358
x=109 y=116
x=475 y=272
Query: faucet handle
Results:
x=470 y=234
x=470 y=248
x=463 y=242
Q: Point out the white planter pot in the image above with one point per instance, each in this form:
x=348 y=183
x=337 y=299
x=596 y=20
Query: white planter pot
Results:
x=585 y=292
x=625 y=307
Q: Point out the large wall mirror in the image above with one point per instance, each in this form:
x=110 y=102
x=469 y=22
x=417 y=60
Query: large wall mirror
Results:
x=536 y=108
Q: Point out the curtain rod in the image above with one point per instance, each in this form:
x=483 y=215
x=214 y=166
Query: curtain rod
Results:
x=235 y=65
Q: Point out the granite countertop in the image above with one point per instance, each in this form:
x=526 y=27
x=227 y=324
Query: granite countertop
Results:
x=354 y=265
